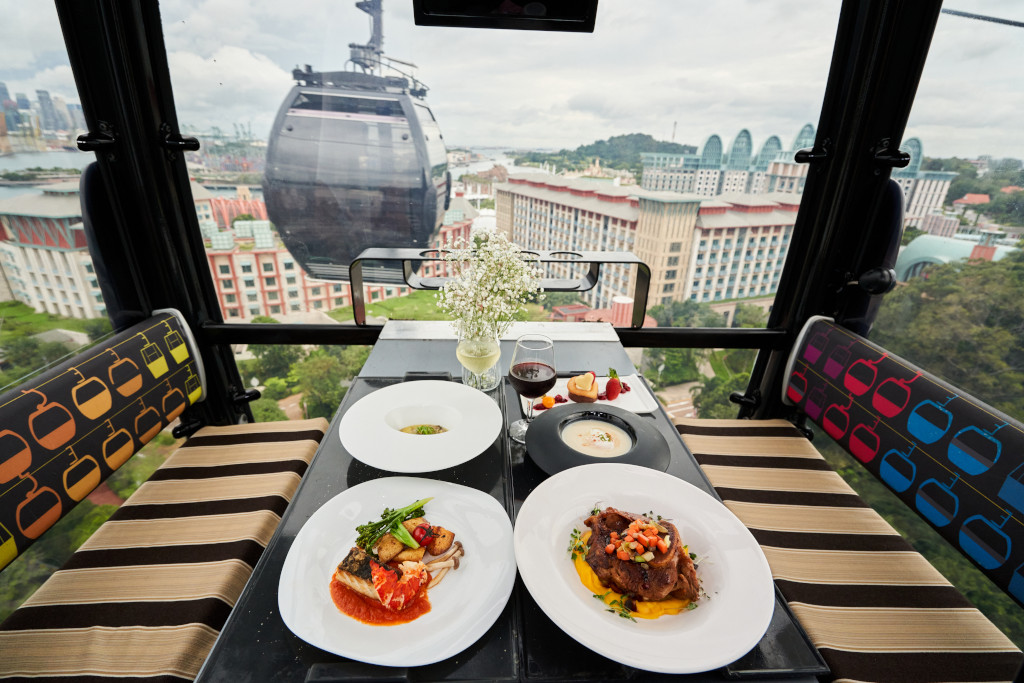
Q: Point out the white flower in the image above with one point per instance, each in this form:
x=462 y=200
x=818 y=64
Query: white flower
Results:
x=492 y=282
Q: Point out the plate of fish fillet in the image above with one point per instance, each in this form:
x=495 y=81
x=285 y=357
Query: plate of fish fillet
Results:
x=462 y=607
x=698 y=575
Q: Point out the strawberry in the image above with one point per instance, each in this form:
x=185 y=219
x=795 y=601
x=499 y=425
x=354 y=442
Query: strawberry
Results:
x=614 y=386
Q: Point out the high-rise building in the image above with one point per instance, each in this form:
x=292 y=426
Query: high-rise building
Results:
x=4 y=93
x=924 y=191
x=47 y=114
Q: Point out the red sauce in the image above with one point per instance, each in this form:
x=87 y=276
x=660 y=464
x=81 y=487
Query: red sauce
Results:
x=362 y=608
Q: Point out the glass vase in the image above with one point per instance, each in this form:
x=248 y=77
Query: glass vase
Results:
x=479 y=357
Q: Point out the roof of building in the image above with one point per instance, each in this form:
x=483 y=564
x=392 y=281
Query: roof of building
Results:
x=604 y=197
x=936 y=249
x=1010 y=189
x=737 y=219
x=973 y=199
x=199 y=192
x=51 y=203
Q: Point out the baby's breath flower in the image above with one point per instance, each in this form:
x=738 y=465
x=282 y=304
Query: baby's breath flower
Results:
x=492 y=282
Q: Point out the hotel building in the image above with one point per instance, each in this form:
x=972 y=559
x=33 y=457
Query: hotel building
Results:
x=700 y=249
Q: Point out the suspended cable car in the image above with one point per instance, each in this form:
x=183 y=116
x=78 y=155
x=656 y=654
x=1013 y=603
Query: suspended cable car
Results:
x=355 y=160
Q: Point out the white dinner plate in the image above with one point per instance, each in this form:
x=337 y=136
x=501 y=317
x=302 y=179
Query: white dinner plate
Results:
x=638 y=400
x=463 y=606
x=725 y=626
x=370 y=430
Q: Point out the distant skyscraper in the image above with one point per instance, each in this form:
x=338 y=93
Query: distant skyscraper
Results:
x=4 y=93
x=22 y=100
x=47 y=113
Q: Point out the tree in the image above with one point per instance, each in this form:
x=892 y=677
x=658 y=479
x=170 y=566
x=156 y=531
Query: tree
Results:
x=748 y=315
x=711 y=399
x=319 y=378
x=275 y=388
x=266 y=410
x=686 y=314
x=242 y=217
x=910 y=233
x=964 y=322
x=97 y=328
x=552 y=299
x=275 y=360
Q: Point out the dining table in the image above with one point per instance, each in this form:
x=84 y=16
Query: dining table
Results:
x=523 y=644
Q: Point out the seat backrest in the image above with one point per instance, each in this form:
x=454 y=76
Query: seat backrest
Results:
x=68 y=429
x=955 y=460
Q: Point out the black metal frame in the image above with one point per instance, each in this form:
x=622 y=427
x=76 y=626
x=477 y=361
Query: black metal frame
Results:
x=117 y=53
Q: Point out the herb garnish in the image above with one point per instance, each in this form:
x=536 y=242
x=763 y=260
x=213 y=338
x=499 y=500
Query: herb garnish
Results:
x=576 y=545
x=616 y=606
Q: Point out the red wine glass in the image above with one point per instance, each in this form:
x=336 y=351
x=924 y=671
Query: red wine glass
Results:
x=532 y=374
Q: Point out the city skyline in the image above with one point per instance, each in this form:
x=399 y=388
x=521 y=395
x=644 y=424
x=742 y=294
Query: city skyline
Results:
x=235 y=58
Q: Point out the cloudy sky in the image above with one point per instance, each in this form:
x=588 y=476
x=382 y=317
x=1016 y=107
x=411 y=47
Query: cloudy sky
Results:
x=651 y=66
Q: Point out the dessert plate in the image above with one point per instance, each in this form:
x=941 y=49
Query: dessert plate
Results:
x=371 y=429
x=638 y=400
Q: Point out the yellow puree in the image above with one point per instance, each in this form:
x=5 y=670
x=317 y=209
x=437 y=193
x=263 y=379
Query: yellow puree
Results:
x=644 y=609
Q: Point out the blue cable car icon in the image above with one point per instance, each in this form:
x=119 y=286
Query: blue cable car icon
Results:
x=975 y=450
x=1012 y=490
x=1016 y=587
x=985 y=542
x=936 y=501
x=929 y=421
x=897 y=470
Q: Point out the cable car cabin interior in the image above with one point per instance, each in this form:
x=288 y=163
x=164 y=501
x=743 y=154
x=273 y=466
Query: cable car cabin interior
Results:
x=353 y=159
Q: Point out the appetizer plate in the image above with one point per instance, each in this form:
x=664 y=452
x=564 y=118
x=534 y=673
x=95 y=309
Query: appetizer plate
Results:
x=371 y=429
x=552 y=454
x=734 y=572
x=638 y=400
x=463 y=606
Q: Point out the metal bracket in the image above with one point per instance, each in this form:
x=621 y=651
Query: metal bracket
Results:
x=97 y=141
x=595 y=259
x=820 y=152
x=886 y=155
x=176 y=142
x=242 y=397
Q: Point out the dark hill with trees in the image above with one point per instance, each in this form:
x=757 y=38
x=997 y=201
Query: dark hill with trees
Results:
x=619 y=151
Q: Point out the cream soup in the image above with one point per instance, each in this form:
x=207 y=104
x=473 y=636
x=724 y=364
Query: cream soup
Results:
x=597 y=438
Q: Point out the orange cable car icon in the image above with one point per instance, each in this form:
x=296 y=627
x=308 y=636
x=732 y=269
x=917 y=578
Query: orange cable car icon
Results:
x=173 y=402
x=175 y=344
x=124 y=374
x=39 y=511
x=91 y=396
x=147 y=423
x=15 y=456
x=117 y=447
x=81 y=476
x=153 y=358
x=51 y=424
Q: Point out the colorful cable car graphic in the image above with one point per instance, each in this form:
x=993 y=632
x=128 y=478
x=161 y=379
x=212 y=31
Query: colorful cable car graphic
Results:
x=837 y=360
x=91 y=396
x=929 y=421
x=175 y=344
x=81 y=476
x=117 y=447
x=864 y=441
x=173 y=402
x=8 y=547
x=152 y=357
x=15 y=456
x=1012 y=488
x=815 y=402
x=936 y=501
x=193 y=387
x=39 y=511
x=124 y=375
x=985 y=542
x=796 y=387
x=51 y=424
x=892 y=396
x=975 y=450
x=897 y=470
x=861 y=376
x=147 y=423
x=837 y=419
x=815 y=347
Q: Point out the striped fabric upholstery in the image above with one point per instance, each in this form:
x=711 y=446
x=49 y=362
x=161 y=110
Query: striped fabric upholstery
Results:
x=145 y=597
x=874 y=607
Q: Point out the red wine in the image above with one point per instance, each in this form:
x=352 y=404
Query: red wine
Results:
x=532 y=379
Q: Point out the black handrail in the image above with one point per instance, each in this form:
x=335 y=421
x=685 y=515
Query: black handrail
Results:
x=595 y=259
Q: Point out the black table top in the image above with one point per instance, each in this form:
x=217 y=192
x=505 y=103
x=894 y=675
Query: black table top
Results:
x=523 y=644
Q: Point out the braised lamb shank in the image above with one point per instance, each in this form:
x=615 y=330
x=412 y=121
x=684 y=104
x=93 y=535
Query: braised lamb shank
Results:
x=669 y=573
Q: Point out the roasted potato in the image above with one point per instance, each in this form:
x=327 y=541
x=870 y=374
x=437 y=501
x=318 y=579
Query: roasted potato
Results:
x=388 y=547
x=410 y=554
x=442 y=541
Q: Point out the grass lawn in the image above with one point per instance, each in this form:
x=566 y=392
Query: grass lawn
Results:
x=419 y=305
x=19 y=318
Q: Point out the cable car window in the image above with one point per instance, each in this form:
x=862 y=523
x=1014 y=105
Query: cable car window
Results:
x=348 y=105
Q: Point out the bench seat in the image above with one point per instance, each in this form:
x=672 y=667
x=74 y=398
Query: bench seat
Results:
x=147 y=594
x=874 y=607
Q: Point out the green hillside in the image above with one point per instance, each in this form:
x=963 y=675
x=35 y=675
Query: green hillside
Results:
x=619 y=151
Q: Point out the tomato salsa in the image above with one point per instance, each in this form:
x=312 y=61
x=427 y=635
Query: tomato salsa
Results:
x=362 y=608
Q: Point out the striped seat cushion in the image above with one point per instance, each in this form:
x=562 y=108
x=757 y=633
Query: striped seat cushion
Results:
x=147 y=594
x=873 y=606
